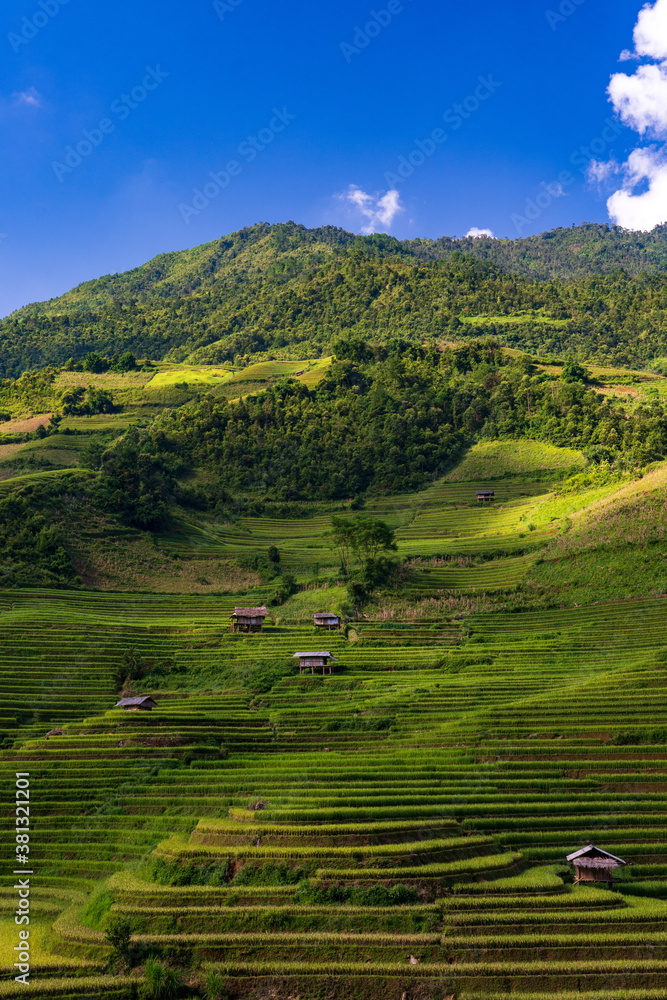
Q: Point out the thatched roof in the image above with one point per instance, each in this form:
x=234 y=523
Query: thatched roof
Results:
x=250 y=612
x=595 y=857
x=326 y=614
x=129 y=702
x=322 y=653
x=596 y=863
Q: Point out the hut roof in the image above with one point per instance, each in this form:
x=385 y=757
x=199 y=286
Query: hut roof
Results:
x=250 y=612
x=128 y=702
x=595 y=857
x=299 y=656
x=325 y=614
x=486 y=493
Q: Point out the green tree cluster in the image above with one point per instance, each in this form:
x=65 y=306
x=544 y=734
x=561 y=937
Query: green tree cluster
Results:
x=594 y=292
x=395 y=423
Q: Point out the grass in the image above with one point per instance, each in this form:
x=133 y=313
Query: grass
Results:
x=316 y=832
x=491 y=460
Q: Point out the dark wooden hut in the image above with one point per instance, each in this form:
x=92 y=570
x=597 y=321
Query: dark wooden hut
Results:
x=592 y=864
x=327 y=620
x=142 y=704
x=248 y=619
x=315 y=661
x=486 y=496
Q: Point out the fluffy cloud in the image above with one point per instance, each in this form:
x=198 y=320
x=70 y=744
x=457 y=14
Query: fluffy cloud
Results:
x=640 y=100
x=651 y=31
x=646 y=210
x=475 y=232
x=379 y=210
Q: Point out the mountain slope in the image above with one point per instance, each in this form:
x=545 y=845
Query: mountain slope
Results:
x=283 y=288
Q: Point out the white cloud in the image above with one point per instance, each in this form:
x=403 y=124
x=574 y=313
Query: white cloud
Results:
x=475 y=233
x=380 y=210
x=651 y=31
x=597 y=172
x=648 y=209
x=31 y=97
x=641 y=99
x=556 y=190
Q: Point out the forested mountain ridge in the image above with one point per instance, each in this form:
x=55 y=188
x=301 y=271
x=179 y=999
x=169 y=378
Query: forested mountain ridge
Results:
x=592 y=248
x=283 y=288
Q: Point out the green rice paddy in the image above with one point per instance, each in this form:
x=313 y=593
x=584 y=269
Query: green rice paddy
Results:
x=397 y=829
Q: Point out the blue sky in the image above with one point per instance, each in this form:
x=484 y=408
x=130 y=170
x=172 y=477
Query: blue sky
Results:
x=300 y=116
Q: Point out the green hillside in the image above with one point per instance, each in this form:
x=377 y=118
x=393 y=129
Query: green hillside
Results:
x=467 y=463
x=592 y=292
x=399 y=825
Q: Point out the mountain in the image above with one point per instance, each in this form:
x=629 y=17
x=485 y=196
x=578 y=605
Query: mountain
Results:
x=578 y=252
x=594 y=291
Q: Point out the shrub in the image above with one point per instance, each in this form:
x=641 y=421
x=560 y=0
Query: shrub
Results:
x=118 y=932
x=161 y=982
x=215 y=986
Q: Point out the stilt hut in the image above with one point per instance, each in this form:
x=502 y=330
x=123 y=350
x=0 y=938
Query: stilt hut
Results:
x=592 y=864
x=486 y=496
x=327 y=620
x=142 y=704
x=315 y=661
x=248 y=619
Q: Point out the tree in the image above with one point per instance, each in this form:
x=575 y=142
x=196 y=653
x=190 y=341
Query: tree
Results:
x=135 y=483
x=118 y=933
x=342 y=534
x=94 y=362
x=126 y=363
x=573 y=371
x=371 y=537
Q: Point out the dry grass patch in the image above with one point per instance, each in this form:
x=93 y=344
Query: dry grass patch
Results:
x=25 y=425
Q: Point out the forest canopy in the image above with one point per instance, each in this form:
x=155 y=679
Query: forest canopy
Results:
x=597 y=293
x=396 y=420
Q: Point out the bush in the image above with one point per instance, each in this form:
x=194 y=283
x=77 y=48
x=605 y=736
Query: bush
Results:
x=284 y=590
x=215 y=986
x=161 y=982
x=118 y=932
x=268 y=874
x=179 y=873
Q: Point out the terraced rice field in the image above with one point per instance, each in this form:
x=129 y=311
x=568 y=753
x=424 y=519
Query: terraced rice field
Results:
x=397 y=829
x=417 y=806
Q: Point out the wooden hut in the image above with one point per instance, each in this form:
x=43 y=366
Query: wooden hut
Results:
x=486 y=496
x=142 y=704
x=248 y=619
x=592 y=864
x=315 y=661
x=327 y=620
